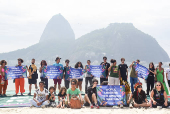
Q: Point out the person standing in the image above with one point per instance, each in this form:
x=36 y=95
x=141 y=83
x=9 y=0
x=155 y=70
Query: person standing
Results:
x=65 y=77
x=114 y=77
x=57 y=60
x=107 y=65
x=168 y=75
x=89 y=76
x=123 y=70
x=80 y=80
x=3 y=81
x=151 y=78
x=45 y=80
x=133 y=74
x=33 y=75
x=20 y=81
x=160 y=76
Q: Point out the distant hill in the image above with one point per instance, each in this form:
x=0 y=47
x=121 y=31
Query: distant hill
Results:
x=115 y=41
x=120 y=40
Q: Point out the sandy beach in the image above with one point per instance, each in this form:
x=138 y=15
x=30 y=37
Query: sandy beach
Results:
x=102 y=110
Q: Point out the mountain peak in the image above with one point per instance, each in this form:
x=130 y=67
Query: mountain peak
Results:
x=58 y=28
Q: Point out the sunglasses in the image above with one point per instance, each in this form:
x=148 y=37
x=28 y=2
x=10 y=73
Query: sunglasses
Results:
x=140 y=87
x=158 y=85
x=73 y=84
x=95 y=83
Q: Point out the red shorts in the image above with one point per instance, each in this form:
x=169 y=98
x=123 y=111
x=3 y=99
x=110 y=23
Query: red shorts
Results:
x=57 y=81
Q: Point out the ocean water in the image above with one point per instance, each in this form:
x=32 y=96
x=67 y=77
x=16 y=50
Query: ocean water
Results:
x=11 y=85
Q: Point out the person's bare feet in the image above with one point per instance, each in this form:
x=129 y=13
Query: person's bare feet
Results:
x=58 y=106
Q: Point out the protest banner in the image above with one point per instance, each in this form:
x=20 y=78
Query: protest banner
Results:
x=110 y=95
x=13 y=72
x=74 y=73
x=96 y=70
x=53 y=72
x=142 y=71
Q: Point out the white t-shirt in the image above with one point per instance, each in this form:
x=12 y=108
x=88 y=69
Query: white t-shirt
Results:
x=168 y=72
x=41 y=74
x=41 y=95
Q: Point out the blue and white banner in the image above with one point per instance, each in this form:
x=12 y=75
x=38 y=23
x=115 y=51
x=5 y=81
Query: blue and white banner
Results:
x=13 y=72
x=53 y=72
x=143 y=72
x=75 y=73
x=110 y=95
x=96 y=70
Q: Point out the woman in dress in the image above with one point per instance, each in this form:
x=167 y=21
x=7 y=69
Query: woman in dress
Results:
x=160 y=76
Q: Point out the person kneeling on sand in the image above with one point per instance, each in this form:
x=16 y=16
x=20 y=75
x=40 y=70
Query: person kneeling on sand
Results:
x=40 y=96
x=72 y=96
x=139 y=97
x=91 y=94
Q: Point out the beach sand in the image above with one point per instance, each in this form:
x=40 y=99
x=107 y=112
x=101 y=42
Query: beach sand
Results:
x=86 y=110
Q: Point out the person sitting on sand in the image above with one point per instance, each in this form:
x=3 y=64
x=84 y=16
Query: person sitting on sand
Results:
x=139 y=97
x=91 y=94
x=73 y=93
x=40 y=98
x=51 y=97
x=158 y=96
x=130 y=101
x=62 y=97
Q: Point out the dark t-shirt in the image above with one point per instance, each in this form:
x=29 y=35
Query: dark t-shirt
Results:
x=107 y=65
x=123 y=69
x=139 y=97
x=90 y=91
x=159 y=96
x=150 y=73
x=64 y=71
x=51 y=100
x=63 y=96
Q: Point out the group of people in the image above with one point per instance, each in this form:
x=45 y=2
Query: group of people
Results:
x=115 y=74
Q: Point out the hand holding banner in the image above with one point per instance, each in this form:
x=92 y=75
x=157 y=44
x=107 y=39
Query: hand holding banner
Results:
x=143 y=72
x=53 y=72
x=110 y=95
x=96 y=70
x=74 y=73
x=13 y=72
